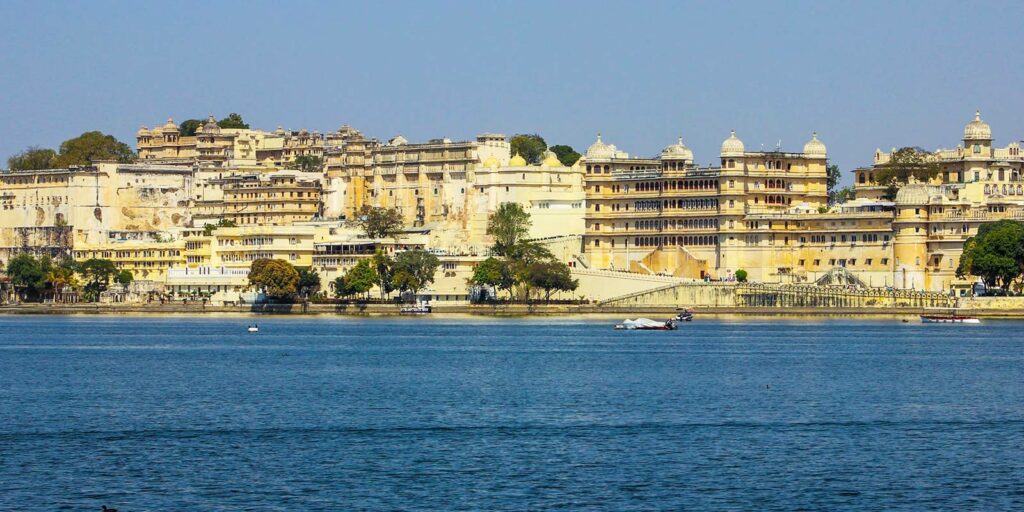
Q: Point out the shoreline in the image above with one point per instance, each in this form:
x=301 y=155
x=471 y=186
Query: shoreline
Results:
x=538 y=310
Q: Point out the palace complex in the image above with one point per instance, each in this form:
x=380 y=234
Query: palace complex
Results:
x=609 y=214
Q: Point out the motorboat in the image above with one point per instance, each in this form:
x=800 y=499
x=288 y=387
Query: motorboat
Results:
x=646 y=324
x=684 y=315
x=253 y=328
x=949 y=319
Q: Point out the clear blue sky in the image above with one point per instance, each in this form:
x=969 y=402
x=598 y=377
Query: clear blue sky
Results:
x=863 y=74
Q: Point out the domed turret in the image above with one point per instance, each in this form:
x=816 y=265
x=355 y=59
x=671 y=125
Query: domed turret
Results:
x=170 y=126
x=517 y=161
x=814 y=147
x=599 y=150
x=279 y=130
x=211 y=125
x=677 y=151
x=550 y=159
x=915 y=194
x=732 y=146
x=977 y=130
x=398 y=140
x=491 y=163
x=143 y=130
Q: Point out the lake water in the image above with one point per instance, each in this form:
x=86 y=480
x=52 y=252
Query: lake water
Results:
x=180 y=413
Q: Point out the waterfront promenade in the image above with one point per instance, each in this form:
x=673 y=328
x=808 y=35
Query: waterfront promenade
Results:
x=981 y=307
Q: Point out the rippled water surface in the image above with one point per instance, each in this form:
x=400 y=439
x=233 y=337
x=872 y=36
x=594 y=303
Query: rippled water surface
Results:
x=176 y=413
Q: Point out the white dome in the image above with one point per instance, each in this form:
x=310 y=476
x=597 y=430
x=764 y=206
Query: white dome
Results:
x=977 y=129
x=600 y=150
x=814 y=147
x=398 y=140
x=677 y=151
x=732 y=146
x=916 y=193
x=550 y=159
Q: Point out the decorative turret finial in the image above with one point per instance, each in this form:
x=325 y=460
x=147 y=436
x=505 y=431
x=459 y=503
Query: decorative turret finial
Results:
x=977 y=115
x=680 y=140
x=599 y=136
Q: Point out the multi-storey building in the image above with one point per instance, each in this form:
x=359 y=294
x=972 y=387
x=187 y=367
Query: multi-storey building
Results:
x=270 y=199
x=213 y=146
x=425 y=182
x=692 y=220
x=148 y=260
x=975 y=160
x=50 y=210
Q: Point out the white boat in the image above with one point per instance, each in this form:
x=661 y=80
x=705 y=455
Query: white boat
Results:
x=949 y=319
x=253 y=328
x=646 y=324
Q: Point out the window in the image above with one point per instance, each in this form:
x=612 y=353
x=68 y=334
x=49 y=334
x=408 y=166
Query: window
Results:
x=867 y=262
x=817 y=263
x=977 y=149
x=885 y=261
x=801 y=263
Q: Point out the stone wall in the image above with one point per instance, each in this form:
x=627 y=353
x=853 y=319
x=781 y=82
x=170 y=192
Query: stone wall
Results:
x=730 y=295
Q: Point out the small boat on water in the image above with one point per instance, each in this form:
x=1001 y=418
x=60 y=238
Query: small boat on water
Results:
x=949 y=319
x=253 y=328
x=646 y=324
x=684 y=315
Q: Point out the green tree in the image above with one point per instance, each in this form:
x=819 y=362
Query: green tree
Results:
x=233 y=120
x=508 y=225
x=741 y=276
x=842 y=195
x=905 y=163
x=61 y=275
x=277 y=278
x=222 y=223
x=97 y=273
x=890 y=192
x=415 y=269
x=31 y=159
x=833 y=175
x=124 y=278
x=188 y=127
x=995 y=254
x=380 y=222
x=566 y=154
x=340 y=287
x=549 y=276
x=309 y=281
x=26 y=275
x=489 y=273
x=384 y=266
x=361 y=278
x=308 y=163
x=528 y=146
x=91 y=147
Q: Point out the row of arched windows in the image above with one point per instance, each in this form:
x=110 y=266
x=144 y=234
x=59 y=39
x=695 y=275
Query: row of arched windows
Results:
x=657 y=186
x=652 y=241
x=780 y=184
x=776 y=200
x=1006 y=190
x=687 y=204
x=675 y=224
